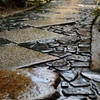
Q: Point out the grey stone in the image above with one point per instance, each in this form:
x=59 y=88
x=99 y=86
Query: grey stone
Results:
x=68 y=75
x=78 y=58
x=42 y=47
x=92 y=75
x=28 y=35
x=80 y=82
x=84 y=50
x=78 y=91
x=96 y=87
x=76 y=98
x=80 y=64
x=60 y=54
x=83 y=45
x=72 y=49
x=53 y=44
x=16 y=57
x=58 y=63
x=64 y=84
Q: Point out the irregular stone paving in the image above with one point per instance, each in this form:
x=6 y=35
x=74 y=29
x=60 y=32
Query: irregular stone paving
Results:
x=78 y=82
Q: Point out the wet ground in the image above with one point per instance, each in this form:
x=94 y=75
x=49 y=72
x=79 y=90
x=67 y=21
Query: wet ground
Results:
x=70 y=20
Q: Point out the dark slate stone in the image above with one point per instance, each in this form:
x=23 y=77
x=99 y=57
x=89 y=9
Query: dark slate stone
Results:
x=59 y=53
x=60 y=48
x=72 y=49
x=64 y=84
x=42 y=47
x=78 y=91
x=84 y=50
x=78 y=58
x=4 y=42
x=58 y=63
x=53 y=44
x=80 y=82
x=69 y=75
x=80 y=64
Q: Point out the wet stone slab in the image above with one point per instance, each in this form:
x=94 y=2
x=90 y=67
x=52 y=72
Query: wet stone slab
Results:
x=68 y=75
x=92 y=75
x=80 y=82
x=47 y=22
x=28 y=35
x=78 y=91
x=16 y=56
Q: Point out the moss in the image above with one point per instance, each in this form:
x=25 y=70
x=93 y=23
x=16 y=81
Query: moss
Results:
x=13 y=83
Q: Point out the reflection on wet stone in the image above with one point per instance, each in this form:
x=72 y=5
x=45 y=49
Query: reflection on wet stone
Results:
x=92 y=75
x=64 y=84
x=78 y=91
x=80 y=82
x=69 y=75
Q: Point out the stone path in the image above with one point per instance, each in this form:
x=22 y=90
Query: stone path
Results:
x=63 y=33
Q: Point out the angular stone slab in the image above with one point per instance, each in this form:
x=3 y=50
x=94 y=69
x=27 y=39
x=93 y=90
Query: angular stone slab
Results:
x=28 y=35
x=17 y=57
x=47 y=22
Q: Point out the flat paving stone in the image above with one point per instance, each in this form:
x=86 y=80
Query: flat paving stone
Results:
x=80 y=82
x=28 y=35
x=17 y=57
x=78 y=91
x=92 y=75
x=47 y=22
x=69 y=75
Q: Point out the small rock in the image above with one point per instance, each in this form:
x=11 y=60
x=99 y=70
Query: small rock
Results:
x=64 y=84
